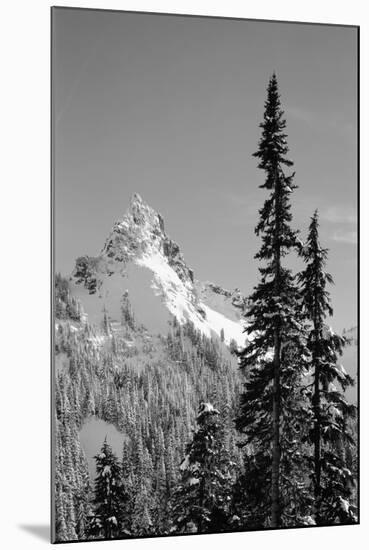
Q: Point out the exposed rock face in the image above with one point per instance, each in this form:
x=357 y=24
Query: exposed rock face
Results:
x=232 y=304
x=175 y=259
x=235 y=296
x=140 y=232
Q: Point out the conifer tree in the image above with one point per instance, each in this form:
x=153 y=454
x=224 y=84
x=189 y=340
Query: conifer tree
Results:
x=109 y=495
x=200 y=502
x=106 y=323
x=127 y=316
x=274 y=358
x=332 y=479
x=142 y=524
x=60 y=524
x=126 y=510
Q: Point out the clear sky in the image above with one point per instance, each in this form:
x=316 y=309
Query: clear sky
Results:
x=169 y=107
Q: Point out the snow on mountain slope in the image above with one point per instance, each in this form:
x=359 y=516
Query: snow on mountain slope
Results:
x=231 y=304
x=232 y=330
x=139 y=239
x=178 y=297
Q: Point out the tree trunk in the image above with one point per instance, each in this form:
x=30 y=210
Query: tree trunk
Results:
x=317 y=326
x=316 y=401
x=276 y=451
x=317 y=425
x=276 y=448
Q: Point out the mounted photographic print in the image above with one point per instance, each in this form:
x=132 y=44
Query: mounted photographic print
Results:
x=205 y=281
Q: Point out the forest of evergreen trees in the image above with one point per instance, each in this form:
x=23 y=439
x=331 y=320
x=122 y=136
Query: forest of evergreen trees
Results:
x=150 y=393
x=215 y=439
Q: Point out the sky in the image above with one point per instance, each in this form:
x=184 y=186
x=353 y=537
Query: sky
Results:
x=170 y=106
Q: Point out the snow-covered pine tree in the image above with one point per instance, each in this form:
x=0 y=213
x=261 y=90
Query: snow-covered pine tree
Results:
x=106 y=323
x=109 y=495
x=332 y=479
x=142 y=524
x=127 y=316
x=126 y=509
x=142 y=507
x=274 y=359
x=200 y=502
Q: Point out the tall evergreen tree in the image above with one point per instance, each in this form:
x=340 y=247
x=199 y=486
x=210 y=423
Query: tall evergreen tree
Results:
x=109 y=495
x=329 y=434
x=274 y=358
x=200 y=503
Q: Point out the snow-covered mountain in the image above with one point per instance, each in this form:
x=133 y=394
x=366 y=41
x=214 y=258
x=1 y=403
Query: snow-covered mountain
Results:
x=139 y=257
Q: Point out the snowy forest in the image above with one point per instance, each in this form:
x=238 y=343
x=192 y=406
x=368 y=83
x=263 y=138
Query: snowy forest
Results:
x=216 y=437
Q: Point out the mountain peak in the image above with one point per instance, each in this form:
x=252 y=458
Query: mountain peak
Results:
x=139 y=239
x=142 y=214
x=139 y=234
x=136 y=203
x=136 y=198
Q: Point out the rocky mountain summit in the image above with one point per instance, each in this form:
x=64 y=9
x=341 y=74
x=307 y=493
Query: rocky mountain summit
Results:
x=140 y=239
x=140 y=233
